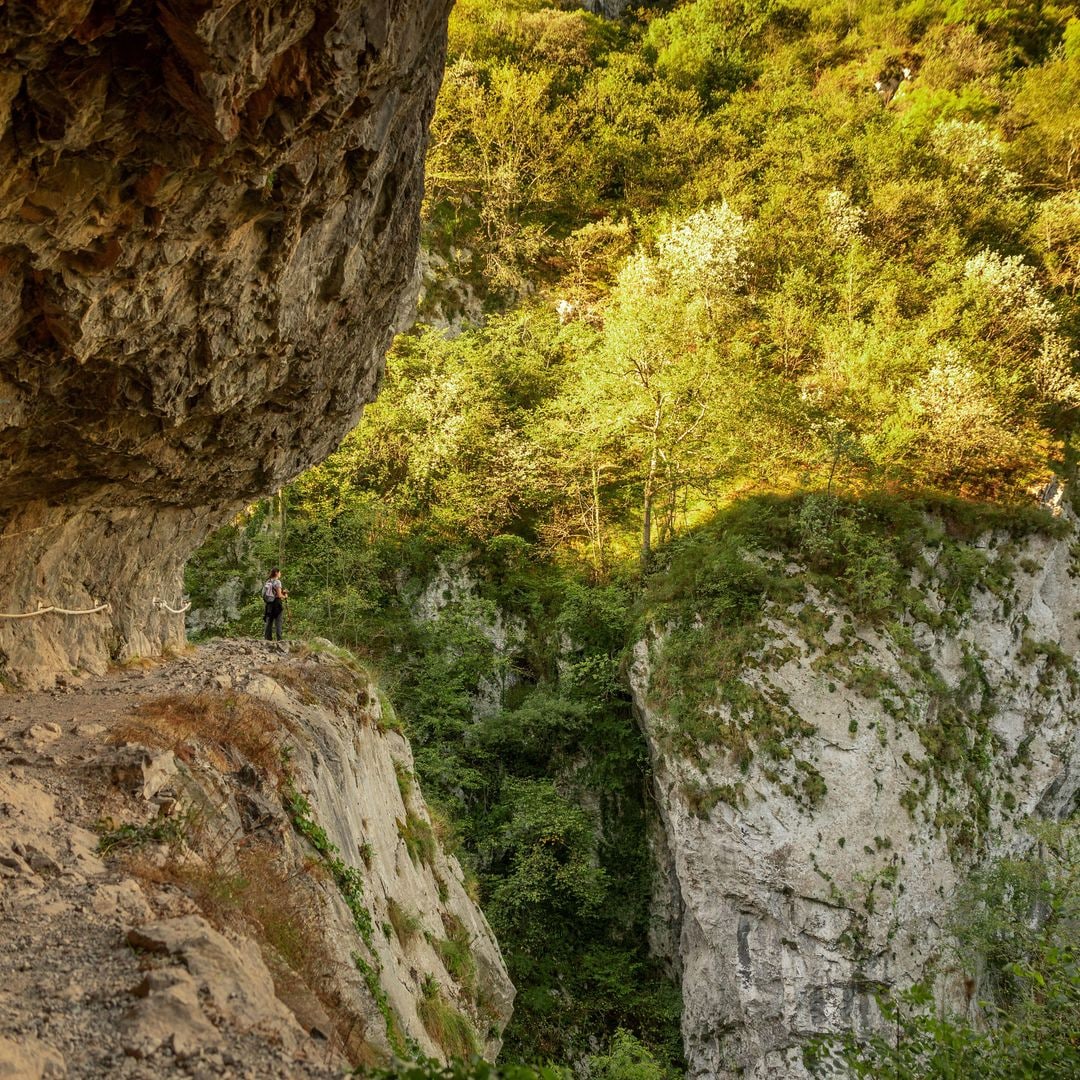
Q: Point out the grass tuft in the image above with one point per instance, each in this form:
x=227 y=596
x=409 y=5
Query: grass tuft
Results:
x=457 y=956
x=419 y=838
x=407 y=924
x=234 y=727
x=453 y=1031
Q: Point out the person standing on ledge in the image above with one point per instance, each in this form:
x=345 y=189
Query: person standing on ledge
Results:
x=274 y=594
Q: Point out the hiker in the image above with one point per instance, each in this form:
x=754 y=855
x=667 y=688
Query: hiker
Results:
x=274 y=594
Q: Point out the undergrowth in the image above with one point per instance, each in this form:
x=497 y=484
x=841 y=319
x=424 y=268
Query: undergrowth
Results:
x=407 y=924
x=128 y=836
x=419 y=838
x=456 y=954
x=401 y=1044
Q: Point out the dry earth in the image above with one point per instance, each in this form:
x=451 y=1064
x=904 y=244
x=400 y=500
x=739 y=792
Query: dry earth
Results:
x=103 y=973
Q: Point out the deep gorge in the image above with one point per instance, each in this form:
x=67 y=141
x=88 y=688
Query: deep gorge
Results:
x=685 y=634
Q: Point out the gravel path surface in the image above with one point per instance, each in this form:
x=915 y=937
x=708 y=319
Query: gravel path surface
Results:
x=76 y=999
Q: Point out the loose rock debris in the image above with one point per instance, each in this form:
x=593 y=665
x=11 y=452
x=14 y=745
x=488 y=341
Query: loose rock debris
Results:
x=102 y=974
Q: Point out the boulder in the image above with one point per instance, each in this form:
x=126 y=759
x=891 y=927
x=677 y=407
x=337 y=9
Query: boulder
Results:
x=209 y=221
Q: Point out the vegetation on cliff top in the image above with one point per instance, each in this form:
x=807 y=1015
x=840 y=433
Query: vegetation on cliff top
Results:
x=735 y=298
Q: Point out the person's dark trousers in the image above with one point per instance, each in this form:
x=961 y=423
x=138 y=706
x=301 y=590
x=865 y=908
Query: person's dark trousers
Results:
x=272 y=619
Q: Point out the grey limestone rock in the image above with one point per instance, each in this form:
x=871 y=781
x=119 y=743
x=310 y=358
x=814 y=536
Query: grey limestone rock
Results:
x=785 y=915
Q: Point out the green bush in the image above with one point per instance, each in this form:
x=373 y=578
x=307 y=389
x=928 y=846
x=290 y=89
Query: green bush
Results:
x=626 y=1059
x=473 y=1068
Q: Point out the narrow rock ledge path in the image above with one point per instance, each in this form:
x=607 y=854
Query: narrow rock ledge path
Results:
x=102 y=974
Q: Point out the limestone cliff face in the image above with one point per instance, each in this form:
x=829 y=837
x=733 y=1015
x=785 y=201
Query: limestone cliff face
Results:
x=792 y=889
x=358 y=776
x=208 y=228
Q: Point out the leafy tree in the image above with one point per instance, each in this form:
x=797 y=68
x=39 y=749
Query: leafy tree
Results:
x=732 y=298
x=709 y=45
x=627 y=1059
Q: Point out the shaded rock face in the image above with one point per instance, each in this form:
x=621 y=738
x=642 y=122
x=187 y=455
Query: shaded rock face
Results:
x=785 y=911
x=208 y=231
x=610 y=9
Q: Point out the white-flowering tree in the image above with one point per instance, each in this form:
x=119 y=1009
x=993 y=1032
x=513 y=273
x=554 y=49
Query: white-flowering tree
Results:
x=844 y=218
x=960 y=427
x=1013 y=334
x=705 y=255
x=976 y=153
x=670 y=383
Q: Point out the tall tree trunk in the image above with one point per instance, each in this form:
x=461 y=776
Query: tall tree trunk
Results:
x=668 y=530
x=650 y=485
x=597 y=534
x=281 y=527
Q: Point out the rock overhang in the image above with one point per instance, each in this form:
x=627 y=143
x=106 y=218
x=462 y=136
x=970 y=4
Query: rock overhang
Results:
x=209 y=217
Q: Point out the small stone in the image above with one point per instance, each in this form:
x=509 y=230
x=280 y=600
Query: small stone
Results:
x=41 y=861
x=39 y=735
x=167 y=1016
x=124 y=900
x=143 y=772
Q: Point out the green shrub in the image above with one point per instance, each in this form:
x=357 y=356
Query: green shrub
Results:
x=419 y=838
x=627 y=1058
x=473 y=1068
x=456 y=954
x=452 y=1030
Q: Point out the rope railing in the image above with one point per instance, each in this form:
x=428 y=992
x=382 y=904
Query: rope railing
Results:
x=54 y=609
x=43 y=610
x=159 y=603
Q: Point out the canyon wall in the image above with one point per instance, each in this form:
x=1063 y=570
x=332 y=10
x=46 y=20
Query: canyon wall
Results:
x=809 y=861
x=208 y=234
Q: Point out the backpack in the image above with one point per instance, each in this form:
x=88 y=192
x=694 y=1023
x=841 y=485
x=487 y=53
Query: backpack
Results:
x=269 y=591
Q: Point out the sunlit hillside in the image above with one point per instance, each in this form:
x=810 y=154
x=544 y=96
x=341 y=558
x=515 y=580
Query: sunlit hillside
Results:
x=721 y=268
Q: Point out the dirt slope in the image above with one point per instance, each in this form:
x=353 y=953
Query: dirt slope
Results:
x=76 y=998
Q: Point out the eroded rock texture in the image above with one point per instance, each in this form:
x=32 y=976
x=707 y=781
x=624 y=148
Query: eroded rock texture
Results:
x=208 y=229
x=249 y=957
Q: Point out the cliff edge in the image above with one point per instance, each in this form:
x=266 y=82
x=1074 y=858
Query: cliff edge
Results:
x=828 y=775
x=223 y=865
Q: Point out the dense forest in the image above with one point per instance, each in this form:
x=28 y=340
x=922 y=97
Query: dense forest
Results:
x=717 y=274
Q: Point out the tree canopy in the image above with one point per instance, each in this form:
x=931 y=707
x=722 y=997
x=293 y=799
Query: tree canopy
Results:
x=678 y=268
